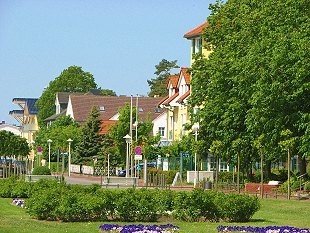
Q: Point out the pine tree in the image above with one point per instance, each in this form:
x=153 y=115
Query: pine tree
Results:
x=91 y=140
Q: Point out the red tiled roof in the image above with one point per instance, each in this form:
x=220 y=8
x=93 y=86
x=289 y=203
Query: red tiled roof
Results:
x=196 y=31
x=173 y=80
x=106 y=125
x=82 y=105
x=180 y=100
x=186 y=74
x=162 y=100
x=171 y=98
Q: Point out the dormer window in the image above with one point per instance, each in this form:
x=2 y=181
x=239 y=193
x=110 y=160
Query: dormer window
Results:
x=140 y=109
x=101 y=108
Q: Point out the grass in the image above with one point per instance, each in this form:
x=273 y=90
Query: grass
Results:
x=273 y=212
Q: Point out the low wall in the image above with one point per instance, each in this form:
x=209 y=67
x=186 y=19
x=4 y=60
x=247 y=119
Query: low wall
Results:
x=133 y=181
x=35 y=178
x=201 y=175
x=255 y=188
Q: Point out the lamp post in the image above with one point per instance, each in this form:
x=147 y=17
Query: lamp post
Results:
x=69 y=158
x=195 y=129
x=49 y=141
x=128 y=141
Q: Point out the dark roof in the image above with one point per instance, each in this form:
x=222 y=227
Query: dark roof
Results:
x=110 y=105
x=30 y=103
x=55 y=116
x=17 y=112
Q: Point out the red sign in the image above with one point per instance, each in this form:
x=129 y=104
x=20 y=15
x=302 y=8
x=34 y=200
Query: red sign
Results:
x=138 y=150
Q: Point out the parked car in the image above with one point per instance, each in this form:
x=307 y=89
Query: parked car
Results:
x=138 y=167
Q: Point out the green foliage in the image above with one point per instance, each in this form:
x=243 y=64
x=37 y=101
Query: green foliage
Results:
x=163 y=71
x=197 y=205
x=11 y=144
x=72 y=79
x=107 y=92
x=41 y=170
x=157 y=174
x=59 y=132
x=90 y=141
x=256 y=81
x=122 y=128
x=236 y=208
x=50 y=200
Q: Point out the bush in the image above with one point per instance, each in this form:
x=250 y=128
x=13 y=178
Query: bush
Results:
x=237 y=208
x=50 y=200
x=41 y=170
x=43 y=204
x=197 y=205
x=126 y=205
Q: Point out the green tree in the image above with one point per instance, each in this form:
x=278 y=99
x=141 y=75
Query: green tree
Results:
x=163 y=71
x=59 y=132
x=144 y=139
x=256 y=81
x=107 y=92
x=90 y=142
x=11 y=144
x=72 y=79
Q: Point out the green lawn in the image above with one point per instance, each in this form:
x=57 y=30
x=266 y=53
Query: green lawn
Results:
x=273 y=212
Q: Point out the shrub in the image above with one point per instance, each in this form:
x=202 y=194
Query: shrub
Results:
x=43 y=204
x=126 y=205
x=237 y=208
x=41 y=170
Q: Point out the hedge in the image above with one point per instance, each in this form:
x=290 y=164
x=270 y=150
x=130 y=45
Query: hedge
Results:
x=49 y=200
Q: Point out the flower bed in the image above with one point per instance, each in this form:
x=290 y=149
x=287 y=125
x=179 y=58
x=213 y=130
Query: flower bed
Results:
x=18 y=202
x=268 y=229
x=115 y=228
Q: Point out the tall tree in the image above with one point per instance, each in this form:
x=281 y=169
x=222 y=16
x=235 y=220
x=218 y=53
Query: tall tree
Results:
x=163 y=71
x=256 y=81
x=59 y=132
x=72 y=79
x=118 y=131
x=90 y=142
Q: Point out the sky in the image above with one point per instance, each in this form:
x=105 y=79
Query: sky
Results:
x=118 y=41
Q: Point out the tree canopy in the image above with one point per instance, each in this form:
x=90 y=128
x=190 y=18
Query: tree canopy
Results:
x=256 y=82
x=59 y=132
x=72 y=79
x=163 y=71
x=13 y=145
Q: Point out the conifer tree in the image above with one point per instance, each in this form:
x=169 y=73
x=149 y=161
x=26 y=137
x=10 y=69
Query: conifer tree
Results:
x=91 y=141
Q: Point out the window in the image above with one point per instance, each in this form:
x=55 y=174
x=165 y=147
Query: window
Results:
x=197 y=46
x=223 y=167
x=161 y=131
x=101 y=108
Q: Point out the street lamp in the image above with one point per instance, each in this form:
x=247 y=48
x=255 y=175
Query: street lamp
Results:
x=195 y=129
x=49 y=141
x=69 y=158
x=128 y=141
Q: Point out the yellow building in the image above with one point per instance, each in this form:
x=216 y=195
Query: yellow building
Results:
x=176 y=104
x=27 y=118
x=198 y=45
x=179 y=89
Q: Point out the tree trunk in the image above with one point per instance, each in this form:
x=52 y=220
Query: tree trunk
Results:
x=302 y=164
x=267 y=170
